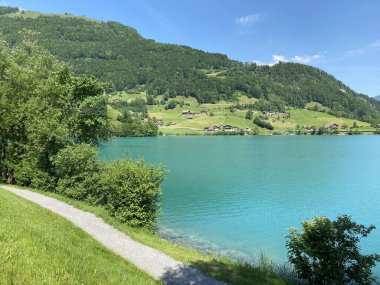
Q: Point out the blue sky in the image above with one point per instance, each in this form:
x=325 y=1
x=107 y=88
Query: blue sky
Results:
x=341 y=37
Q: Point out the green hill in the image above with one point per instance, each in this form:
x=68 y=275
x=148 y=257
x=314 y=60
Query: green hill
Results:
x=119 y=55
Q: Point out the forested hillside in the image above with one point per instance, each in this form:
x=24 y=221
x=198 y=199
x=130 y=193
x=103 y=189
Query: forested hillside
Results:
x=119 y=55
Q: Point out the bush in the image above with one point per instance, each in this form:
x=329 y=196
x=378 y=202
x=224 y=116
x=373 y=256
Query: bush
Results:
x=262 y=124
x=129 y=190
x=327 y=252
x=171 y=105
x=78 y=171
x=249 y=115
x=133 y=191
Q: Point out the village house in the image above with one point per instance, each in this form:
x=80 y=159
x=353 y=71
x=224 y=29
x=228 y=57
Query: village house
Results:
x=188 y=113
x=226 y=128
x=377 y=126
x=332 y=126
x=210 y=129
x=247 y=129
x=203 y=112
x=229 y=128
x=269 y=113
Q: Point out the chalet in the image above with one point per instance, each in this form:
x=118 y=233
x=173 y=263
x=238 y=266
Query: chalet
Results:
x=203 y=112
x=332 y=126
x=210 y=129
x=226 y=128
x=247 y=129
x=229 y=128
x=377 y=126
x=188 y=113
x=269 y=113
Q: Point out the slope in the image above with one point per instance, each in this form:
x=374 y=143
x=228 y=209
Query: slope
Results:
x=119 y=55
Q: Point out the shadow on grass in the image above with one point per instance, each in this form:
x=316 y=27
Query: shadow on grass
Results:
x=187 y=275
x=230 y=272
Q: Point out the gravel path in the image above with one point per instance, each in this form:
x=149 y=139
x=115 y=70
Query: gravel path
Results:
x=157 y=264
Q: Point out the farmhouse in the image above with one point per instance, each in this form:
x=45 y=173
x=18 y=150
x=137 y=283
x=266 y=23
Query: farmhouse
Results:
x=229 y=128
x=332 y=126
x=188 y=113
x=226 y=128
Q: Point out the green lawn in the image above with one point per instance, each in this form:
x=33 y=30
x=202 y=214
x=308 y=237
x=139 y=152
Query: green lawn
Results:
x=221 y=268
x=40 y=247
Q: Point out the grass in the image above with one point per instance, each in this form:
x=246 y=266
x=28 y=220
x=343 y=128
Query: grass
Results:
x=40 y=247
x=221 y=268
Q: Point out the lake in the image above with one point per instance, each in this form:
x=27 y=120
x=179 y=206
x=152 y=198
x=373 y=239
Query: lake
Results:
x=239 y=195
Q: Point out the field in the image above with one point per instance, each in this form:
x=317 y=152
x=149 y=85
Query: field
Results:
x=39 y=247
x=219 y=114
x=221 y=268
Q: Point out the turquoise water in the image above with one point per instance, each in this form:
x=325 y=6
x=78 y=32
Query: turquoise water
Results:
x=239 y=195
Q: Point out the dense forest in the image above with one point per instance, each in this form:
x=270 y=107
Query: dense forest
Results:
x=118 y=55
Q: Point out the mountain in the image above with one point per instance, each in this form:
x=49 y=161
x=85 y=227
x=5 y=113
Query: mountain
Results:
x=377 y=97
x=117 y=54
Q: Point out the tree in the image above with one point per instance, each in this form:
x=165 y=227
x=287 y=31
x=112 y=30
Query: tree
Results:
x=249 y=115
x=150 y=100
x=327 y=252
x=262 y=124
x=43 y=108
x=171 y=105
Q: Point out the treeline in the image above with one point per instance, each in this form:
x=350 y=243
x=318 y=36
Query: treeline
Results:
x=119 y=55
x=8 y=10
x=51 y=122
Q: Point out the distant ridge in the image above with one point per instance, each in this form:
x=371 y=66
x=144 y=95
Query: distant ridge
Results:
x=377 y=97
x=119 y=55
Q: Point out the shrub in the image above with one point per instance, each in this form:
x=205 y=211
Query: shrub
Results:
x=133 y=191
x=78 y=171
x=249 y=115
x=327 y=252
x=171 y=105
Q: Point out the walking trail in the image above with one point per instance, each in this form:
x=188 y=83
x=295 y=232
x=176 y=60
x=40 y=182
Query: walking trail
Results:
x=155 y=263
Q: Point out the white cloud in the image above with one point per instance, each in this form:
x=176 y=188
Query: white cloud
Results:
x=369 y=48
x=248 y=20
x=279 y=58
x=305 y=59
